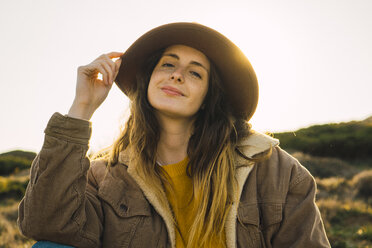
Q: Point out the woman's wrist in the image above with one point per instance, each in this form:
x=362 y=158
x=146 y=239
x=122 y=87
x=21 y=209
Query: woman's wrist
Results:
x=80 y=111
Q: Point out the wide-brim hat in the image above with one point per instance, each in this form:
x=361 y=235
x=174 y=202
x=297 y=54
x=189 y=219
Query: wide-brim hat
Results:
x=238 y=77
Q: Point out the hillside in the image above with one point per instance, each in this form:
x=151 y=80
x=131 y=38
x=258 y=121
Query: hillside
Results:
x=338 y=155
x=368 y=121
x=20 y=154
x=15 y=161
x=347 y=140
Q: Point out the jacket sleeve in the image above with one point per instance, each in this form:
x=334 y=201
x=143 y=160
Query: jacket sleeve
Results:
x=302 y=225
x=61 y=203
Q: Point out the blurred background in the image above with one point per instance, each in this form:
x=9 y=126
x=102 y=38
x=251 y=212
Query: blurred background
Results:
x=312 y=59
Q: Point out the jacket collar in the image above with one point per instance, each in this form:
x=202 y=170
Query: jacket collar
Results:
x=256 y=143
x=251 y=146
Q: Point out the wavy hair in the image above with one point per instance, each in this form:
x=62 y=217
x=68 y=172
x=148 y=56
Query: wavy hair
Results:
x=211 y=152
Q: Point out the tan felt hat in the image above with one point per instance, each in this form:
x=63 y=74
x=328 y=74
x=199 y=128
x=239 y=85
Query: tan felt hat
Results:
x=236 y=72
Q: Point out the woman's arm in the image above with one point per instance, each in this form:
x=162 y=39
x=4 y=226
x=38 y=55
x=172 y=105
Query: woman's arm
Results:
x=59 y=204
x=302 y=225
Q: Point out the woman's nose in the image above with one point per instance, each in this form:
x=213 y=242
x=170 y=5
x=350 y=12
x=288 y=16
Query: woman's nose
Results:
x=177 y=75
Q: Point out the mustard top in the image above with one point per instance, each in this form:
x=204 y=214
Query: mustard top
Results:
x=182 y=201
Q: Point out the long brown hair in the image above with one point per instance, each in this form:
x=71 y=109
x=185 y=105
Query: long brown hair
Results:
x=211 y=152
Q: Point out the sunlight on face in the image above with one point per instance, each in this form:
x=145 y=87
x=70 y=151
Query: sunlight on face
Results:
x=179 y=82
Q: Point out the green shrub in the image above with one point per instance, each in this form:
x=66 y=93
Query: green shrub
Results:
x=10 y=164
x=365 y=233
x=336 y=187
x=363 y=185
x=12 y=188
x=342 y=215
x=352 y=140
x=20 y=154
x=337 y=242
x=324 y=167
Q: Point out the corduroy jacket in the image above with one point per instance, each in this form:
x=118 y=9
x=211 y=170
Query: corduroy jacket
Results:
x=73 y=201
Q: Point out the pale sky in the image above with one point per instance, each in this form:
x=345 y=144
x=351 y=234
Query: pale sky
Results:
x=313 y=58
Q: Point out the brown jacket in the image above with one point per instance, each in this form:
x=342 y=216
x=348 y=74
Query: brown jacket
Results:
x=71 y=201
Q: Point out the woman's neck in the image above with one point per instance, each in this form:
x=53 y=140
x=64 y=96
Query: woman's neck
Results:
x=174 y=139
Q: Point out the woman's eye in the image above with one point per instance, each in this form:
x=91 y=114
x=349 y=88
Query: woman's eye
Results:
x=167 y=65
x=194 y=73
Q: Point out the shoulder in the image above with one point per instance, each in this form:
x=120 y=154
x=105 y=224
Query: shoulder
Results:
x=279 y=165
x=283 y=165
x=282 y=174
x=276 y=174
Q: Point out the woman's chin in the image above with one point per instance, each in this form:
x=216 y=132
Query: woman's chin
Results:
x=173 y=113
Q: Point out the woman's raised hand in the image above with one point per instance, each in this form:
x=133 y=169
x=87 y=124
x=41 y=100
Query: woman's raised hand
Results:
x=90 y=90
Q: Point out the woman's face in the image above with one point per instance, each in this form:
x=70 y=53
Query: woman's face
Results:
x=179 y=82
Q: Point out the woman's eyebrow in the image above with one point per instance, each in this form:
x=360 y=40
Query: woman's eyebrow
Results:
x=192 y=62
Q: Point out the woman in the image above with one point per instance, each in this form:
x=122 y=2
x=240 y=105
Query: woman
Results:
x=187 y=170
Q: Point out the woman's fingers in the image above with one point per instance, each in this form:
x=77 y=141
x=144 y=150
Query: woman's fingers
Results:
x=92 y=91
x=109 y=72
x=110 y=66
x=114 y=54
x=105 y=66
x=101 y=69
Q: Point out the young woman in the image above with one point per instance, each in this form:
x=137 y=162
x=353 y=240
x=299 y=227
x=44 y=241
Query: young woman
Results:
x=187 y=170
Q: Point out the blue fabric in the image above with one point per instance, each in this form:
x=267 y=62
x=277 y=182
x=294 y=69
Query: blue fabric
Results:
x=48 y=244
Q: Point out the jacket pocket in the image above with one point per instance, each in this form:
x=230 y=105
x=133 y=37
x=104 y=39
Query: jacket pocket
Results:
x=248 y=233
x=259 y=222
x=270 y=214
x=125 y=200
x=126 y=212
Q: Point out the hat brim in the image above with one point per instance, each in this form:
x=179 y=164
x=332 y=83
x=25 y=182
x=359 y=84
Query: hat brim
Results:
x=238 y=77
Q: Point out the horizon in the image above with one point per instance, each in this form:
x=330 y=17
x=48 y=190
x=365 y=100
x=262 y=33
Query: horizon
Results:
x=283 y=131
x=312 y=58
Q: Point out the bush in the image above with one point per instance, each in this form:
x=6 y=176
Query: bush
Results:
x=352 y=140
x=20 y=154
x=336 y=187
x=10 y=164
x=365 y=233
x=12 y=188
x=326 y=167
x=363 y=185
x=347 y=222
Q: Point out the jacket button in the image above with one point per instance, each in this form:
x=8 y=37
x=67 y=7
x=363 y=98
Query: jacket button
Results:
x=123 y=207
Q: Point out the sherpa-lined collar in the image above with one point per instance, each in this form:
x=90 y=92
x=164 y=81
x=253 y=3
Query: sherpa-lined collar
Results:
x=254 y=144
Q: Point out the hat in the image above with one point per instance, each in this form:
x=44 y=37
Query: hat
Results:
x=237 y=75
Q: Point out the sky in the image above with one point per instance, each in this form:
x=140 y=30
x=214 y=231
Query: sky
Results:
x=312 y=58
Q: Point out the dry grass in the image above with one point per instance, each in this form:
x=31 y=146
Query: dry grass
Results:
x=348 y=221
x=362 y=182
x=9 y=234
x=13 y=186
x=347 y=218
x=325 y=167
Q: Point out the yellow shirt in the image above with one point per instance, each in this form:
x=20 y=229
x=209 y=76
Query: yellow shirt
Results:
x=182 y=201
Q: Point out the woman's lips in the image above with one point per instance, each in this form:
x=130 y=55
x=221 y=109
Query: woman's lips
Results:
x=171 y=91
